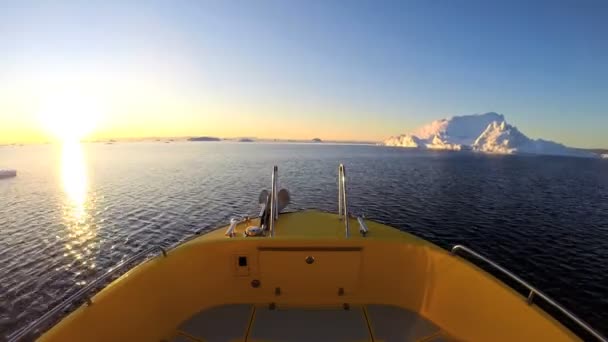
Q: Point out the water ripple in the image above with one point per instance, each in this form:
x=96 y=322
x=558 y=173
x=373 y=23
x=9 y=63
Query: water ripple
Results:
x=545 y=218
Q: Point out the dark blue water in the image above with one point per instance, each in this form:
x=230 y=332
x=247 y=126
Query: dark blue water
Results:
x=73 y=213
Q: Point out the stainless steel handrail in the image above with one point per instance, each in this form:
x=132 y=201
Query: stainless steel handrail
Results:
x=533 y=291
x=19 y=334
x=342 y=199
x=273 y=200
x=276 y=193
x=340 y=191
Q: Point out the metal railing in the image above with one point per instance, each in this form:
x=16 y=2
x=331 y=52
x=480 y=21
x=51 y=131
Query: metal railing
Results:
x=84 y=292
x=533 y=291
x=274 y=214
x=342 y=199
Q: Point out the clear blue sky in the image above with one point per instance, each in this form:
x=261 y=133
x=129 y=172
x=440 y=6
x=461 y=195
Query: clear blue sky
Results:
x=342 y=69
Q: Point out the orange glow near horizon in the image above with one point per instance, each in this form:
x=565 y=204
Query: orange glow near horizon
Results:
x=53 y=107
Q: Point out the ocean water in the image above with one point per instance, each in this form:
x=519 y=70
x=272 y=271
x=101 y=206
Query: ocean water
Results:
x=75 y=211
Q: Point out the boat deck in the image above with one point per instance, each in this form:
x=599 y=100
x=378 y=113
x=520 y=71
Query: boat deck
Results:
x=243 y=322
x=220 y=288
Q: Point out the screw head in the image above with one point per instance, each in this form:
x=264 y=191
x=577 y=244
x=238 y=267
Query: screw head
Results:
x=310 y=259
x=255 y=283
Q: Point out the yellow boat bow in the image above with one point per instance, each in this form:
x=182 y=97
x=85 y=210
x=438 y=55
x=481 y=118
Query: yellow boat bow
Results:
x=307 y=276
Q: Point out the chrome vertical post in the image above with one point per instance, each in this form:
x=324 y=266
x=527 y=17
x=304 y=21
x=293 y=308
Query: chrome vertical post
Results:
x=344 y=203
x=340 y=191
x=273 y=200
x=276 y=193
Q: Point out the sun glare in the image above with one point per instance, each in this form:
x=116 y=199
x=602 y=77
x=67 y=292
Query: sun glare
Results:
x=74 y=177
x=70 y=116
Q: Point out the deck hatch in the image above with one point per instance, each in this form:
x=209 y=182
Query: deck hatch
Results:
x=305 y=272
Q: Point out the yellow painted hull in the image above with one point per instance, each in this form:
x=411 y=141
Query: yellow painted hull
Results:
x=387 y=267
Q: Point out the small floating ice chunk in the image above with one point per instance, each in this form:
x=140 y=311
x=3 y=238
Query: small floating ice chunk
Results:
x=6 y=173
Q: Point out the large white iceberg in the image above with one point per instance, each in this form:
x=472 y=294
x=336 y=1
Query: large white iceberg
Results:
x=457 y=133
x=487 y=132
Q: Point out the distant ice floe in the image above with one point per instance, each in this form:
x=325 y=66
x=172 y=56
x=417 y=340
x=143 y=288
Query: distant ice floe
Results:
x=6 y=173
x=488 y=133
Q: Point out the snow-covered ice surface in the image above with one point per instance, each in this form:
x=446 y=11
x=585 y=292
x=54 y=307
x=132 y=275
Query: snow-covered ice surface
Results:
x=458 y=130
x=487 y=132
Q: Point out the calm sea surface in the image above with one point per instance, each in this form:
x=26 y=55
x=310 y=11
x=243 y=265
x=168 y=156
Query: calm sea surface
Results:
x=74 y=212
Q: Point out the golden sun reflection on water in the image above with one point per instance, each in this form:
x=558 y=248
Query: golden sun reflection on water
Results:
x=74 y=177
x=76 y=212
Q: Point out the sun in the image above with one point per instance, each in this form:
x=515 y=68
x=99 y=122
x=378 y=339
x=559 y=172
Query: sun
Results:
x=70 y=116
